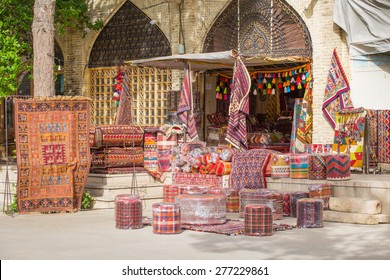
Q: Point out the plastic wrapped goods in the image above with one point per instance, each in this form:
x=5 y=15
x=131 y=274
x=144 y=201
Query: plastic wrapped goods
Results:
x=338 y=167
x=232 y=200
x=323 y=191
x=286 y=204
x=258 y=220
x=206 y=209
x=294 y=196
x=128 y=211
x=271 y=198
x=317 y=167
x=299 y=165
x=310 y=213
x=172 y=190
x=166 y=218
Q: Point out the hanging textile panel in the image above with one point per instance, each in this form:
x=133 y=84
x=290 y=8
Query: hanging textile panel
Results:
x=349 y=135
x=384 y=136
x=117 y=136
x=248 y=169
x=118 y=157
x=52 y=144
x=150 y=149
x=372 y=129
x=337 y=91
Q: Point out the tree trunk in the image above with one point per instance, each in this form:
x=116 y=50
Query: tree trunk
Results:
x=43 y=47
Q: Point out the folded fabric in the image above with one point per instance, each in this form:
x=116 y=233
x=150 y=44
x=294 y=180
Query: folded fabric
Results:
x=116 y=136
x=223 y=168
x=118 y=157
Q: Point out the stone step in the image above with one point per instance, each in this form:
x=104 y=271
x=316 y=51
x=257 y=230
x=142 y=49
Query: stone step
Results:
x=355 y=218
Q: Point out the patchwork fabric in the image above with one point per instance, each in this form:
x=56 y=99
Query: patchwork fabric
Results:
x=117 y=136
x=53 y=153
x=310 y=213
x=128 y=211
x=248 y=169
x=337 y=91
x=166 y=218
x=258 y=220
x=349 y=135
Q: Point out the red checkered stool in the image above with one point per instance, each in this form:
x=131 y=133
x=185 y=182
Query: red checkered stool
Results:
x=310 y=213
x=294 y=196
x=338 y=167
x=299 y=166
x=323 y=191
x=232 y=200
x=166 y=218
x=128 y=211
x=258 y=220
x=317 y=167
x=203 y=209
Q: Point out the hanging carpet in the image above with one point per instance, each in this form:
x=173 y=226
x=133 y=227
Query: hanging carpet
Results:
x=337 y=95
x=383 y=136
x=53 y=154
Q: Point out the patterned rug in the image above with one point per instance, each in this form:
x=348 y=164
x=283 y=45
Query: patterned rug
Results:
x=53 y=154
x=116 y=136
x=349 y=135
x=384 y=136
x=118 y=157
x=248 y=169
x=239 y=107
x=337 y=95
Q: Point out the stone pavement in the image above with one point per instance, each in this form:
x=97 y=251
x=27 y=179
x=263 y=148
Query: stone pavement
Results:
x=91 y=235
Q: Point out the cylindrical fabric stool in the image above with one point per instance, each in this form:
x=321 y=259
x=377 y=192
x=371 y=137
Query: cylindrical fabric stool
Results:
x=299 y=166
x=258 y=220
x=310 y=213
x=323 y=191
x=294 y=196
x=280 y=166
x=317 y=167
x=204 y=209
x=232 y=200
x=286 y=204
x=271 y=198
x=169 y=192
x=338 y=167
x=166 y=218
x=128 y=211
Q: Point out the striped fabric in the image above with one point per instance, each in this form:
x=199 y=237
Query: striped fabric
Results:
x=317 y=167
x=232 y=200
x=338 y=167
x=310 y=213
x=202 y=209
x=323 y=191
x=118 y=157
x=269 y=197
x=294 y=197
x=128 y=211
x=117 y=136
x=258 y=220
x=299 y=165
x=223 y=168
x=166 y=218
x=150 y=150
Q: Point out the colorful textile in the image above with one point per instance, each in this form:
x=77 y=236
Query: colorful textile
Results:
x=118 y=170
x=118 y=157
x=231 y=227
x=338 y=167
x=53 y=153
x=165 y=142
x=164 y=161
x=337 y=95
x=372 y=123
x=150 y=150
x=323 y=191
x=299 y=166
x=349 y=135
x=248 y=169
x=294 y=197
x=280 y=165
x=128 y=211
x=232 y=200
x=117 y=136
x=317 y=167
x=185 y=106
x=223 y=168
x=272 y=198
x=310 y=213
x=202 y=209
x=258 y=220
x=318 y=148
x=286 y=204
x=239 y=106
x=172 y=190
x=199 y=179
x=123 y=116
x=166 y=218
x=383 y=136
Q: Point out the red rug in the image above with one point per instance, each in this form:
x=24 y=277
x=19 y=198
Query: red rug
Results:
x=53 y=154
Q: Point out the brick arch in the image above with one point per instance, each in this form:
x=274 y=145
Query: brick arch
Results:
x=128 y=35
x=266 y=28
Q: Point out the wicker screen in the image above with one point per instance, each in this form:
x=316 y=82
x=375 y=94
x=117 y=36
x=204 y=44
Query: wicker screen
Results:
x=148 y=88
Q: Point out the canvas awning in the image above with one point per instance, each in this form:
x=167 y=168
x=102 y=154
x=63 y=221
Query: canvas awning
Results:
x=215 y=60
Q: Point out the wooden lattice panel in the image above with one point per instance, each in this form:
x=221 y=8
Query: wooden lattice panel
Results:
x=148 y=88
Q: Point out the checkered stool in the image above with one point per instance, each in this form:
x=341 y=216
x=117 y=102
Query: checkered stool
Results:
x=166 y=218
x=128 y=211
x=258 y=220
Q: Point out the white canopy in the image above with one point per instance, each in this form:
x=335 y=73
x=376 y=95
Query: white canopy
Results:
x=210 y=61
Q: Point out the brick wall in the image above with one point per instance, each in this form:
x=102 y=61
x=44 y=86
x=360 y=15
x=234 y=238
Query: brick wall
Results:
x=197 y=18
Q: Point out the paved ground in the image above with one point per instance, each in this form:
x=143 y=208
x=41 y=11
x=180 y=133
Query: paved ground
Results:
x=91 y=235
